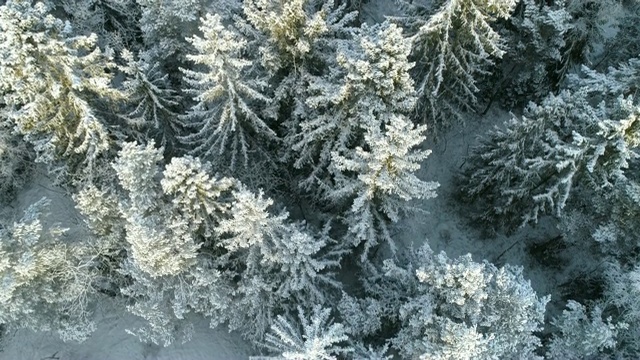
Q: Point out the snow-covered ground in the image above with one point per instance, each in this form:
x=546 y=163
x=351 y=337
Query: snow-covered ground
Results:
x=112 y=342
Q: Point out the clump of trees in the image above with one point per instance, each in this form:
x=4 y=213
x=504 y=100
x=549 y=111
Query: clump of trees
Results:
x=184 y=131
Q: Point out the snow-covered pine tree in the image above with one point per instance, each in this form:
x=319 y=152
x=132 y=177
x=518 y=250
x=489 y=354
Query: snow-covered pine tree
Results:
x=50 y=83
x=359 y=149
x=528 y=168
x=298 y=43
x=383 y=183
x=165 y=24
x=15 y=163
x=228 y=128
x=581 y=336
x=372 y=82
x=455 y=46
x=164 y=223
x=47 y=279
x=536 y=40
x=309 y=338
x=458 y=309
x=114 y=21
x=621 y=298
x=161 y=242
x=152 y=102
x=626 y=43
x=284 y=264
x=590 y=23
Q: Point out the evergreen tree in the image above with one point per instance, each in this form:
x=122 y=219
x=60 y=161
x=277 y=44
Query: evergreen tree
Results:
x=529 y=168
x=580 y=335
x=47 y=279
x=319 y=338
x=373 y=83
x=458 y=309
x=455 y=46
x=530 y=68
x=50 y=83
x=115 y=22
x=152 y=102
x=384 y=181
x=227 y=128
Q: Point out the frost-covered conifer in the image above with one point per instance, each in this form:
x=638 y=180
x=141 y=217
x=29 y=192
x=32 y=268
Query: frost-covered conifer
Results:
x=289 y=27
x=47 y=278
x=590 y=23
x=530 y=68
x=297 y=42
x=161 y=242
x=227 y=127
x=316 y=337
x=368 y=111
x=152 y=102
x=373 y=82
x=15 y=163
x=50 y=83
x=580 y=335
x=285 y=263
x=384 y=180
x=454 y=47
x=529 y=168
x=114 y=21
x=165 y=24
x=459 y=309
x=197 y=196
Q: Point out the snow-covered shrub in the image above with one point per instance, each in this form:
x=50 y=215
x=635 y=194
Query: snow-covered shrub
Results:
x=47 y=279
x=309 y=338
x=50 y=83
x=227 y=127
x=455 y=46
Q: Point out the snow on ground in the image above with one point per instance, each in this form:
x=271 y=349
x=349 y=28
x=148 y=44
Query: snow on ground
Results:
x=111 y=342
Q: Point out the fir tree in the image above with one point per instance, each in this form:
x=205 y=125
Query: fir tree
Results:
x=153 y=104
x=48 y=280
x=319 y=338
x=50 y=83
x=529 y=168
x=455 y=46
x=225 y=122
